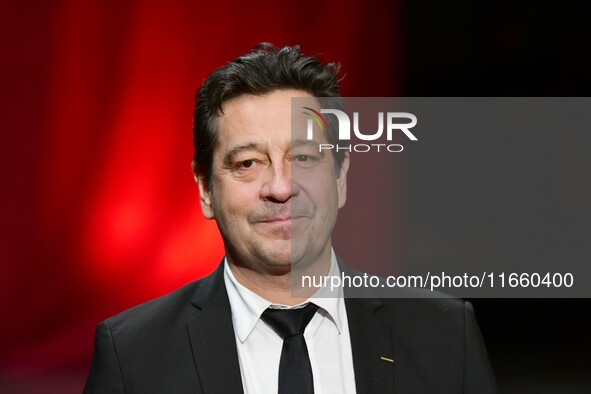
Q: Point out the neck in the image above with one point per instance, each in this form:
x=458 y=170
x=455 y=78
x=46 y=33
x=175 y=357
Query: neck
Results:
x=276 y=286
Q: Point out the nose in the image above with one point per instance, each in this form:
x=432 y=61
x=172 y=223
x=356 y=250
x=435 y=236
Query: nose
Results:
x=277 y=185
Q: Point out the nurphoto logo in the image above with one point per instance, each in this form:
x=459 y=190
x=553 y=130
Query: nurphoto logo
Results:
x=344 y=130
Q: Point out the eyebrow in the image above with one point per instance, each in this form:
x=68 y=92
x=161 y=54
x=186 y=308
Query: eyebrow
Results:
x=305 y=143
x=229 y=157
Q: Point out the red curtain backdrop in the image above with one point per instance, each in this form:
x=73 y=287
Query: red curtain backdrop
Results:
x=99 y=208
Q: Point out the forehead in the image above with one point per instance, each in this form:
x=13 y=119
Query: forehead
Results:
x=264 y=117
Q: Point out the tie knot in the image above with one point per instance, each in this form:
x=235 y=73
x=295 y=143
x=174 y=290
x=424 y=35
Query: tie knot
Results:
x=289 y=322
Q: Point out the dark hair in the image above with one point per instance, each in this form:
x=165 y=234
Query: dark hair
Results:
x=263 y=70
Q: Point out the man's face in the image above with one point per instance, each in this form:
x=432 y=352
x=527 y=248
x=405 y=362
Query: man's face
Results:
x=274 y=196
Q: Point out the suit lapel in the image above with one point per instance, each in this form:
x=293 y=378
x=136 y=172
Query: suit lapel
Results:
x=211 y=333
x=371 y=342
x=371 y=339
x=212 y=338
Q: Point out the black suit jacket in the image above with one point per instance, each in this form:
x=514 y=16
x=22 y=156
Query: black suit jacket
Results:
x=184 y=343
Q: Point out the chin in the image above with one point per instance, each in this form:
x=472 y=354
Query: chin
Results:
x=277 y=255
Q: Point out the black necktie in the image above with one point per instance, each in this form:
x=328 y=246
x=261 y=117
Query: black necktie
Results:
x=295 y=372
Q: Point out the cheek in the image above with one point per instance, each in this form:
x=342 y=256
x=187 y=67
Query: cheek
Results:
x=234 y=201
x=321 y=188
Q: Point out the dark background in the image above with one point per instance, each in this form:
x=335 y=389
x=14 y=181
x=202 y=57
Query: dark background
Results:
x=520 y=49
x=99 y=210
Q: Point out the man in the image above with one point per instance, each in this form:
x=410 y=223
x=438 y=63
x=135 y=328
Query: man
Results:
x=275 y=199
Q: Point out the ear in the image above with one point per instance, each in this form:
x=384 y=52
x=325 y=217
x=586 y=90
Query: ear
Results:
x=342 y=181
x=204 y=193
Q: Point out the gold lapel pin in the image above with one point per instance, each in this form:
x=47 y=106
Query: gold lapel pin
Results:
x=386 y=359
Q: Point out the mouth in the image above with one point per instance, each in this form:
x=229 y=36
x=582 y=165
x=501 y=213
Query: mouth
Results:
x=281 y=219
x=281 y=227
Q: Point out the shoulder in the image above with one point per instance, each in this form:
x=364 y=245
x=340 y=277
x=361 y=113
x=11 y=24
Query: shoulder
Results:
x=414 y=310
x=163 y=313
x=428 y=312
x=147 y=348
x=420 y=309
x=408 y=303
x=158 y=307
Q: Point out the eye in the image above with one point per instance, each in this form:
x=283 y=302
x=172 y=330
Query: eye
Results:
x=246 y=164
x=305 y=161
x=302 y=157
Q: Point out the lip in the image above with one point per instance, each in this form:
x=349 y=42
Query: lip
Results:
x=281 y=219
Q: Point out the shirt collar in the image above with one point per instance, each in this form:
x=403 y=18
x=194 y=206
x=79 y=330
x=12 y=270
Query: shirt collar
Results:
x=247 y=306
x=331 y=300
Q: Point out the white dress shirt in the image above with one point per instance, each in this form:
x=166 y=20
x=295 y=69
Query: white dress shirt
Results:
x=259 y=347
